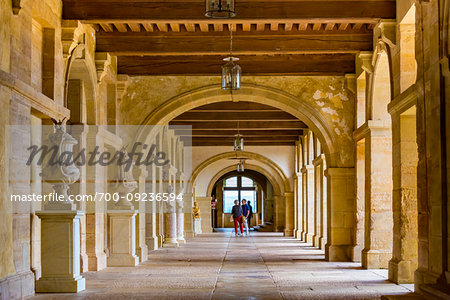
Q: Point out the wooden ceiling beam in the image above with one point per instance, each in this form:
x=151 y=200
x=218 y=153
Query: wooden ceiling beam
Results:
x=249 y=143
x=308 y=64
x=193 y=11
x=235 y=116
x=245 y=133
x=218 y=43
x=244 y=125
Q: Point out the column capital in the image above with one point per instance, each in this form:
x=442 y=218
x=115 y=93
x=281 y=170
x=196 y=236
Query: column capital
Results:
x=340 y=172
x=307 y=168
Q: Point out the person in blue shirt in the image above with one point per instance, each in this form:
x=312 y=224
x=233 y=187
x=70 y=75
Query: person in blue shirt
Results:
x=245 y=213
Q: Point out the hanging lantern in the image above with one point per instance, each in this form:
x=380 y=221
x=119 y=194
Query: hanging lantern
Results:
x=231 y=74
x=220 y=9
x=240 y=166
x=238 y=142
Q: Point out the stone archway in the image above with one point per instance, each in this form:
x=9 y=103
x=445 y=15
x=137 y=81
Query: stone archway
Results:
x=251 y=93
x=283 y=196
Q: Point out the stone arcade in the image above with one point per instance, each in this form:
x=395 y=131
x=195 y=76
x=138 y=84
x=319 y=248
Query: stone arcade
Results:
x=344 y=108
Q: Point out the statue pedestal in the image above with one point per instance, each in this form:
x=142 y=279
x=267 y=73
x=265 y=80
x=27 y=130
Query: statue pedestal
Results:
x=122 y=238
x=60 y=252
x=198 y=226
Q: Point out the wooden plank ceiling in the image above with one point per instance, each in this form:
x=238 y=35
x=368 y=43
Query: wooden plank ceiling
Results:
x=216 y=125
x=290 y=37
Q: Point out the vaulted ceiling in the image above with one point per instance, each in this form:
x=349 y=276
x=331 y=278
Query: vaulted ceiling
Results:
x=173 y=37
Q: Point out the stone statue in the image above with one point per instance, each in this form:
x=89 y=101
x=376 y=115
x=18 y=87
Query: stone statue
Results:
x=196 y=210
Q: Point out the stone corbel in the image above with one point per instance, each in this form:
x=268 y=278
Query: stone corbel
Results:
x=16 y=6
x=386 y=32
x=350 y=82
x=366 y=61
x=103 y=62
x=123 y=81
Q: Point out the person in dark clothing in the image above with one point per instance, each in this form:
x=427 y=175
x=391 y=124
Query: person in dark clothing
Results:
x=237 y=217
x=250 y=215
x=246 y=213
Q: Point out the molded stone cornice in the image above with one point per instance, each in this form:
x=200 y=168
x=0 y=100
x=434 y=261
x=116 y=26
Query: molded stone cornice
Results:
x=38 y=101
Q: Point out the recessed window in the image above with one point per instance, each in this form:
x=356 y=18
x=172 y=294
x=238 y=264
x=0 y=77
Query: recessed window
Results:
x=239 y=188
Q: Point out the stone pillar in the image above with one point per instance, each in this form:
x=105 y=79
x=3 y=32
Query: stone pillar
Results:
x=180 y=222
x=304 y=199
x=170 y=226
x=318 y=199
x=141 y=245
x=205 y=213
x=289 y=214
x=360 y=192
x=405 y=156
x=95 y=211
x=378 y=204
x=188 y=218
x=308 y=175
x=279 y=213
x=298 y=185
x=340 y=210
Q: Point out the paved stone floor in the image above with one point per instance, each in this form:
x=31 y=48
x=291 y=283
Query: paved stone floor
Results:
x=221 y=266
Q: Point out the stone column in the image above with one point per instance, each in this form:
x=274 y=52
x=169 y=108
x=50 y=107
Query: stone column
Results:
x=289 y=214
x=95 y=211
x=308 y=175
x=340 y=210
x=188 y=218
x=141 y=245
x=298 y=184
x=378 y=205
x=151 y=238
x=304 y=199
x=279 y=213
x=170 y=226
x=180 y=222
x=405 y=157
x=318 y=198
x=205 y=208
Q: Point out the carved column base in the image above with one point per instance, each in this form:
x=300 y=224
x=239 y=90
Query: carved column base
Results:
x=122 y=238
x=60 y=252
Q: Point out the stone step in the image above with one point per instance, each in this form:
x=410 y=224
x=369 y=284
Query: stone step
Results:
x=411 y=296
x=433 y=292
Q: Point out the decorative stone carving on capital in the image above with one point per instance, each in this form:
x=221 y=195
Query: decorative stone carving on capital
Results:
x=124 y=184
x=59 y=170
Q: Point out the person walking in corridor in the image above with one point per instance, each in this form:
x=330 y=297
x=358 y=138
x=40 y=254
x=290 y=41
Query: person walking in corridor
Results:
x=245 y=214
x=236 y=212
